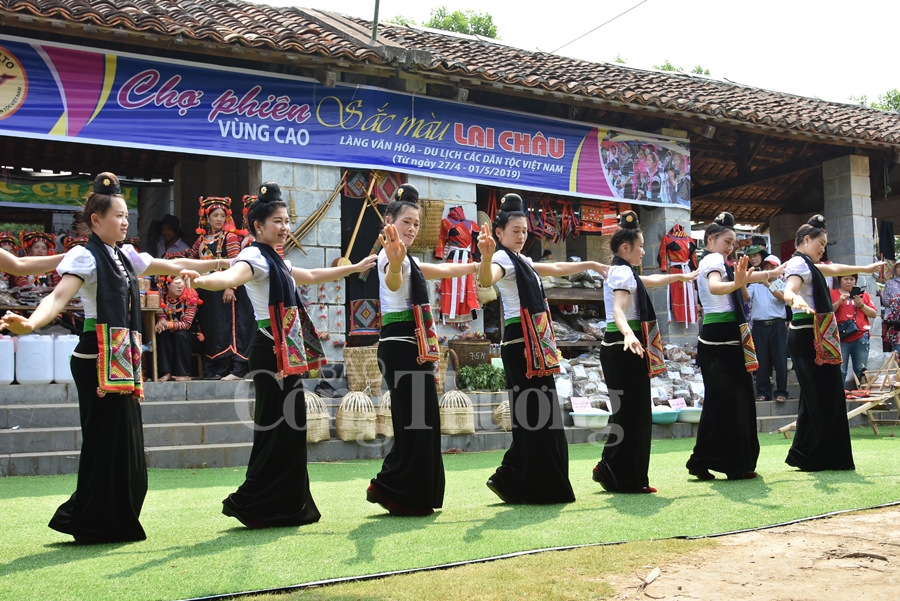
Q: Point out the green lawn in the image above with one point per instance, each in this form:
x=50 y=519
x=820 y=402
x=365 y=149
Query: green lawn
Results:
x=193 y=550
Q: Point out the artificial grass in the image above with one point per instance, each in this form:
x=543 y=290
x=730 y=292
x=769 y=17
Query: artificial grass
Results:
x=193 y=550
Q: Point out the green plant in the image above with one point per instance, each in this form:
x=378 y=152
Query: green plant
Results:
x=481 y=377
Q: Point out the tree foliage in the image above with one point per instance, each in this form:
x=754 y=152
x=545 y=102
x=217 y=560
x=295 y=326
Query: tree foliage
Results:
x=889 y=101
x=668 y=66
x=469 y=22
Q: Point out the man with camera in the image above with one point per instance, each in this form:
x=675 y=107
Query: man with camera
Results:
x=853 y=308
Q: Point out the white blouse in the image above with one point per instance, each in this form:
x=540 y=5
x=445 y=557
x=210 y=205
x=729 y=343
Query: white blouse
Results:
x=394 y=301
x=713 y=303
x=621 y=277
x=258 y=286
x=80 y=262
x=797 y=266
x=509 y=292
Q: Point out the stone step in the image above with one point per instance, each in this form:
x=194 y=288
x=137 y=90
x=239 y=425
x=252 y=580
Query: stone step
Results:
x=774 y=408
x=18 y=394
x=771 y=423
x=25 y=394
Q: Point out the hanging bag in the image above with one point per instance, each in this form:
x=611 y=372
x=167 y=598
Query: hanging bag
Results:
x=848 y=328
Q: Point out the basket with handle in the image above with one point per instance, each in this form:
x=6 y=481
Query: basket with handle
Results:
x=471 y=352
x=356 y=417
x=457 y=413
x=361 y=367
x=501 y=415
x=317 y=417
x=446 y=354
x=430 y=232
x=383 y=423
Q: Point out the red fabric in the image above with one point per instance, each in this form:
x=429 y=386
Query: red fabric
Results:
x=678 y=247
x=457 y=232
x=50 y=280
x=846 y=310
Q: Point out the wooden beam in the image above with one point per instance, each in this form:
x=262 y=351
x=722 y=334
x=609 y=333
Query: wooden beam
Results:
x=761 y=175
x=736 y=203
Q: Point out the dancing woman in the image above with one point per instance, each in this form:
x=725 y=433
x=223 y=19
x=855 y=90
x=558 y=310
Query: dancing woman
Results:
x=631 y=328
x=106 y=367
x=822 y=440
x=727 y=439
x=535 y=469
x=286 y=345
x=411 y=480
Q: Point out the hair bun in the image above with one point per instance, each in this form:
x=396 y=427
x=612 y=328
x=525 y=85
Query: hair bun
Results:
x=106 y=183
x=725 y=219
x=512 y=203
x=817 y=221
x=406 y=193
x=629 y=220
x=269 y=192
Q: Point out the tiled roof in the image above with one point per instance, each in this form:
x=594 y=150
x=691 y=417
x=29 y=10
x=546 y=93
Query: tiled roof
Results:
x=292 y=30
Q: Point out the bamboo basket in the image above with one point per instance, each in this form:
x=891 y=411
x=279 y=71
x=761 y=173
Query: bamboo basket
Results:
x=356 y=418
x=361 y=367
x=430 y=232
x=446 y=353
x=457 y=414
x=471 y=352
x=501 y=415
x=383 y=423
x=485 y=294
x=317 y=428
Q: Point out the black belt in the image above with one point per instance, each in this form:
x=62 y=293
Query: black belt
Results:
x=767 y=322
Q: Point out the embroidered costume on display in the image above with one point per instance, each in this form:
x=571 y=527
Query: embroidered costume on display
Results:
x=457 y=244
x=676 y=255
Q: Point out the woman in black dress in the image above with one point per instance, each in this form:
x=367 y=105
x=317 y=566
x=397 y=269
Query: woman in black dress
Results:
x=631 y=328
x=822 y=440
x=727 y=439
x=286 y=345
x=411 y=480
x=106 y=367
x=535 y=469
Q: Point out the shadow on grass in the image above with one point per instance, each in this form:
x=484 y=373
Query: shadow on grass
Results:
x=59 y=554
x=514 y=518
x=829 y=481
x=638 y=505
x=748 y=492
x=366 y=535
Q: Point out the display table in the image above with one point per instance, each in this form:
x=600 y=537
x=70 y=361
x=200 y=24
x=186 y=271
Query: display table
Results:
x=575 y=296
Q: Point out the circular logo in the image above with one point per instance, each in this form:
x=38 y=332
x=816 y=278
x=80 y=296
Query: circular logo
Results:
x=13 y=83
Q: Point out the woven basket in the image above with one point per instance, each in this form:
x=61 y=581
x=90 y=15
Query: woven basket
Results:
x=316 y=418
x=430 y=232
x=383 y=423
x=501 y=416
x=457 y=414
x=361 y=367
x=471 y=352
x=356 y=418
x=446 y=353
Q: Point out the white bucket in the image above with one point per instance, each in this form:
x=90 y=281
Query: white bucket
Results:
x=62 y=352
x=34 y=359
x=7 y=359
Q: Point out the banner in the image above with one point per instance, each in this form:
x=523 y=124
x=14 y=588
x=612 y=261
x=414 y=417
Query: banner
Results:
x=57 y=192
x=52 y=91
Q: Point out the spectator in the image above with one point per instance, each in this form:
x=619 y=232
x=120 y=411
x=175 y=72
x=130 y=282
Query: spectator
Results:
x=890 y=299
x=767 y=312
x=170 y=234
x=38 y=244
x=176 y=335
x=851 y=304
x=547 y=256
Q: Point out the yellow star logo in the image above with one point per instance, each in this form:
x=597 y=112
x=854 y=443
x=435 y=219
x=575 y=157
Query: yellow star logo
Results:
x=263 y=190
x=106 y=181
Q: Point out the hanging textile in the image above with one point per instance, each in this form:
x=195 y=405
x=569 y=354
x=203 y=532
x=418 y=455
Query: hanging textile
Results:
x=458 y=244
x=676 y=255
x=365 y=316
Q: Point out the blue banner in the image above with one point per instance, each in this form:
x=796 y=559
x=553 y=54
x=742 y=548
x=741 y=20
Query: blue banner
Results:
x=52 y=91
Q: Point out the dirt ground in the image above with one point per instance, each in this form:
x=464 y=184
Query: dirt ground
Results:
x=853 y=556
